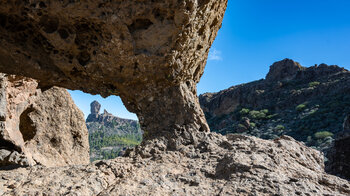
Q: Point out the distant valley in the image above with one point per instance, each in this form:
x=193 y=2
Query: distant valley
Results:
x=109 y=135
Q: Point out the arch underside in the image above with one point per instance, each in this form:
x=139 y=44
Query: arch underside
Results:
x=151 y=54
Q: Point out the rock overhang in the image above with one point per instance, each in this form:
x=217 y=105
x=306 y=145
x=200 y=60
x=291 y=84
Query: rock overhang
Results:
x=107 y=47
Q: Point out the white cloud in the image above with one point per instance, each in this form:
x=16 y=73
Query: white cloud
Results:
x=215 y=55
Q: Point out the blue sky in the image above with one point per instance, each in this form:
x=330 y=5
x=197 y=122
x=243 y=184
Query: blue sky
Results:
x=256 y=33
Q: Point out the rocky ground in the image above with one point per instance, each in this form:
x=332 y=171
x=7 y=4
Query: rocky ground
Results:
x=217 y=165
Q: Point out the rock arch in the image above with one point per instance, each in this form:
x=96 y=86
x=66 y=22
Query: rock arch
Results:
x=150 y=53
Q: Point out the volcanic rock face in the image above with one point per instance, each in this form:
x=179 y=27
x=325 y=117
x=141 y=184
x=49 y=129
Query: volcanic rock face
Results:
x=151 y=53
x=220 y=165
x=37 y=127
x=297 y=103
x=339 y=155
x=95 y=107
x=283 y=70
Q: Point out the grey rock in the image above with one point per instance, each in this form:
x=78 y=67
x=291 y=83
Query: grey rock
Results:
x=232 y=165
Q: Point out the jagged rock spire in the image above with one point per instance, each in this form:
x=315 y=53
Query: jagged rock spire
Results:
x=95 y=107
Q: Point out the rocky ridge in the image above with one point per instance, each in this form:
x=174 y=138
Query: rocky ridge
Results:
x=44 y=128
x=110 y=136
x=308 y=104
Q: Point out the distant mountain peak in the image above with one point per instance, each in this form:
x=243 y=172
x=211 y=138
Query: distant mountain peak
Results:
x=95 y=107
x=106 y=113
x=110 y=135
x=283 y=70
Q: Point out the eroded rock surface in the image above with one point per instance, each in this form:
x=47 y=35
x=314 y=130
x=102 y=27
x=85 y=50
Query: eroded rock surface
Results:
x=220 y=165
x=38 y=127
x=151 y=53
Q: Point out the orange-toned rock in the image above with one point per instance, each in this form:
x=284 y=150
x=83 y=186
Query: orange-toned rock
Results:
x=38 y=127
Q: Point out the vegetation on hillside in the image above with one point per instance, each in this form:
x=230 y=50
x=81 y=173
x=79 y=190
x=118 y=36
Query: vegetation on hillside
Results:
x=311 y=111
x=111 y=146
x=110 y=136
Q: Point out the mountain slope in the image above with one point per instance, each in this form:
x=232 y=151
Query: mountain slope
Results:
x=308 y=104
x=109 y=135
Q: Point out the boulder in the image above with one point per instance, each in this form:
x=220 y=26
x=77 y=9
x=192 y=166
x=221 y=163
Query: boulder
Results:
x=44 y=128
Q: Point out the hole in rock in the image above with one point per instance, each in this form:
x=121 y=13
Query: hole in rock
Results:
x=42 y=4
x=50 y=24
x=140 y=24
x=84 y=58
x=112 y=129
x=26 y=125
x=3 y=20
x=63 y=33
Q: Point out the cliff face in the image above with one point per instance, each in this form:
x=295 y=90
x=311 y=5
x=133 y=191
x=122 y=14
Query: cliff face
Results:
x=110 y=136
x=308 y=104
x=339 y=153
x=44 y=128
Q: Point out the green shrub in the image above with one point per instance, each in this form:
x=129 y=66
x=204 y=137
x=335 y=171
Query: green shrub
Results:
x=252 y=125
x=242 y=127
x=300 y=107
x=271 y=116
x=323 y=134
x=312 y=84
x=257 y=114
x=265 y=111
x=280 y=127
x=244 y=111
